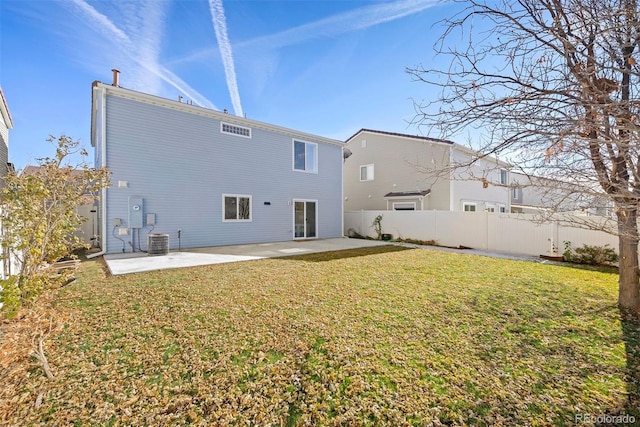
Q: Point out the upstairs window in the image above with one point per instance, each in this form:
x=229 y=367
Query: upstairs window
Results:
x=305 y=156
x=503 y=176
x=235 y=130
x=366 y=173
x=236 y=207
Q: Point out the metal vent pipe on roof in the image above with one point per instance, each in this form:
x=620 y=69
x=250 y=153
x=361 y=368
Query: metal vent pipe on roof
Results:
x=116 y=77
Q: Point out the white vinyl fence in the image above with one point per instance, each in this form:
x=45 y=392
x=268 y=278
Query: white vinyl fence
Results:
x=496 y=232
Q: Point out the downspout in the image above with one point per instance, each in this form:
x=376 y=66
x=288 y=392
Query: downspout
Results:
x=342 y=190
x=103 y=192
x=451 y=181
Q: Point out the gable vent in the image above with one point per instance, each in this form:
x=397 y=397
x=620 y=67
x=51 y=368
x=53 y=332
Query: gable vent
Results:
x=235 y=130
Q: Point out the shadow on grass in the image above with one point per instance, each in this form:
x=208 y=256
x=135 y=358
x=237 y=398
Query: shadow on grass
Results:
x=599 y=268
x=631 y=337
x=345 y=253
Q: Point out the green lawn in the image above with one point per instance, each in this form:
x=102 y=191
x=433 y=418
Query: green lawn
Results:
x=379 y=336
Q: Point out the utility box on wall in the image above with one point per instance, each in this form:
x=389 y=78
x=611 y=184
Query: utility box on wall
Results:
x=135 y=212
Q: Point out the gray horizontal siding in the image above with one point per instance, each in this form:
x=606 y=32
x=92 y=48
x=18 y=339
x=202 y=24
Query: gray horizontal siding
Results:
x=4 y=158
x=181 y=164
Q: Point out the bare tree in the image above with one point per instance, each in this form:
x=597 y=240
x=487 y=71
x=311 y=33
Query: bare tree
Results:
x=555 y=86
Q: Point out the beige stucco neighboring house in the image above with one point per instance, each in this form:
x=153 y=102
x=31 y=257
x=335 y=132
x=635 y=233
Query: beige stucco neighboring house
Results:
x=86 y=232
x=393 y=171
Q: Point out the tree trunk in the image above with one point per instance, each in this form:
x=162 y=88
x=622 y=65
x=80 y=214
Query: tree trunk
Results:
x=629 y=286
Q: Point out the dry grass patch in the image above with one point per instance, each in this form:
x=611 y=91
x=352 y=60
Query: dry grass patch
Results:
x=353 y=338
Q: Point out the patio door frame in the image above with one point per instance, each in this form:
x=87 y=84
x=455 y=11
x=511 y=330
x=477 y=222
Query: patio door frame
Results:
x=306 y=202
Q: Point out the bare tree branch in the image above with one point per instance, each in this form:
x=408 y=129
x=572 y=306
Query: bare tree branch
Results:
x=553 y=87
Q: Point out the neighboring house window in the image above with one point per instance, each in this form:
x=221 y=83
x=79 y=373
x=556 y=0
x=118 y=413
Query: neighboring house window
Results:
x=490 y=208
x=236 y=207
x=366 y=173
x=404 y=206
x=468 y=207
x=235 y=130
x=503 y=176
x=502 y=208
x=305 y=156
x=514 y=193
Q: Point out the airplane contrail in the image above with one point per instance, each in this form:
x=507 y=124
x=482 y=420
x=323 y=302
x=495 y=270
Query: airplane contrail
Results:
x=226 y=53
x=107 y=28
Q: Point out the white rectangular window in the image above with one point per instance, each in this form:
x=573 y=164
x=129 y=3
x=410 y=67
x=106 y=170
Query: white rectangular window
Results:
x=503 y=176
x=490 y=208
x=514 y=193
x=305 y=156
x=468 y=207
x=366 y=173
x=236 y=207
x=502 y=208
x=235 y=130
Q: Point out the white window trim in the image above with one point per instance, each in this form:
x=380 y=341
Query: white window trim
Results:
x=235 y=134
x=393 y=205
x=372 y=172
x=505 y=173
x=237 y=196
x=502 y=208
x=294 y=219
x=490 y=207
x=293 y=156
x=475 y=205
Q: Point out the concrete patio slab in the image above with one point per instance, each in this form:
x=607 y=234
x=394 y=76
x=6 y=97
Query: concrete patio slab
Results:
x=140 y=262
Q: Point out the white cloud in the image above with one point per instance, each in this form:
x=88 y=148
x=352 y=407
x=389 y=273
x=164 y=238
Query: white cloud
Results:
x=141 y=49
x=226 y=53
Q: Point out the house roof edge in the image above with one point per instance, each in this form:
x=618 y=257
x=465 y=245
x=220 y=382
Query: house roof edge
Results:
x=196 y=109
x=4 y=110
x=400 y=135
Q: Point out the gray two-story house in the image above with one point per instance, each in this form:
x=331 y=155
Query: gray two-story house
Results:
x=6 y=123
x=208 y=178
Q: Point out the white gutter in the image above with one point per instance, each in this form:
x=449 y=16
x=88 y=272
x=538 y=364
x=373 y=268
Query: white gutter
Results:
x=103 y=192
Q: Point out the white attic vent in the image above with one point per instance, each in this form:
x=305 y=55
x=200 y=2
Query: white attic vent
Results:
x=235 y=130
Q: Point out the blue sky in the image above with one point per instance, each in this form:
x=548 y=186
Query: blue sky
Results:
x=324 y=67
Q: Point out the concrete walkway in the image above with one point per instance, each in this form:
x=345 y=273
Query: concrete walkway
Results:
x=140 y=262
